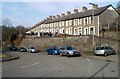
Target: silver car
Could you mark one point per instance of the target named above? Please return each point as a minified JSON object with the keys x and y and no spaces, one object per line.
{"x":104,"y":50}
{"x":69,"y":51}
{"x":32,"y":50}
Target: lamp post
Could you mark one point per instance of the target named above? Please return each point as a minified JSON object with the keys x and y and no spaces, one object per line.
{"x":93,"y":24}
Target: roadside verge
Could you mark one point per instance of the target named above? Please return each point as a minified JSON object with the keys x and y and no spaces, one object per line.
{"x":8,"y":57}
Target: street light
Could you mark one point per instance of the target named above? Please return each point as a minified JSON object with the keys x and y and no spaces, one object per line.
{"x":93,"y":23}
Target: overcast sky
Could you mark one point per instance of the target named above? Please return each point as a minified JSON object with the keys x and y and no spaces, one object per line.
{"x":29,"y":13}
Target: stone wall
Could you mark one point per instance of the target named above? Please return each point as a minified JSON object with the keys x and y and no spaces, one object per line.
{"x":82,"y":43}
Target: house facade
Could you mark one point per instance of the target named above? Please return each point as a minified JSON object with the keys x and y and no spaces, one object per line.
{"x":86,"y":22}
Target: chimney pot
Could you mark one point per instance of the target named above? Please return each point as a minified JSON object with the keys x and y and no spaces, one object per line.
{"x":68,"y":12}
{"x":84,"y":8}
{"x":58,"y":16}
{"x":75,"y":11}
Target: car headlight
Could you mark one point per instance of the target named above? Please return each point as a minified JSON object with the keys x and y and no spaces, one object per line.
{"x":55,"y":51}
{"x":70,"y":52}
{"x":33,"y":50}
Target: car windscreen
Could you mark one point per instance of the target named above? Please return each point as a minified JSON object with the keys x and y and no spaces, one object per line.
{"x":22,"y":48}
{"x":32,"y":47}
{"x":99,"y":48}
{"x":54,"y":48}
{"x":70,"y":48}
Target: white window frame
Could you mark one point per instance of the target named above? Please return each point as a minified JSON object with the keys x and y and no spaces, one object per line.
{"x":93,"y":29}
{"x":70,"y":22}
{"x":80,"y":21}
{"x":67,"y":23}
{"x":90,"y":20}
{"x":60,"y":23}
{"x":80,"y":30}
{"x":75,"y":22}
{"x":85,"y":20}
{"x":63,"y":23}
{"x":85,"y":31}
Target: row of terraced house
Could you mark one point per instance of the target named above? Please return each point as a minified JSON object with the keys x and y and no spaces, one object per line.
{"x":84,"y":22}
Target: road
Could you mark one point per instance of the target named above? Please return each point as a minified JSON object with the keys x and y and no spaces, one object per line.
{"x":42,"y":65}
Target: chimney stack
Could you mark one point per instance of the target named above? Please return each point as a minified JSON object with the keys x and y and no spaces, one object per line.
{"x":84,"y":8}
{"x":44,"y":20}
{"x":58,"y":16}
{"x":53,"y":17}
{"x":68,"y":12}
{"x":95,"y":6}
{"x":50,"y":17}
{"x":62,"y":14}
{"x":75,"y":11}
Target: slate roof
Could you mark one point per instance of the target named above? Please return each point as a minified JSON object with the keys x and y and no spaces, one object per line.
{"x":79,"y":15}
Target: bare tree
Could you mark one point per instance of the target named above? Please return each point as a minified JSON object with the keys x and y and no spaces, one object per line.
{"x":7,"y":22}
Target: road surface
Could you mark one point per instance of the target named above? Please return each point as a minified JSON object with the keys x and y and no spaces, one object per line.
{"x":43,"y":65}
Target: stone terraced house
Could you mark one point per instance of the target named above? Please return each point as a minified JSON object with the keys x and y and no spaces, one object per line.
{"x":79,"y":23}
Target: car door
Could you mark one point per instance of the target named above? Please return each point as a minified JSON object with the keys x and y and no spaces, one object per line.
{"x":28,"y":49}
{"x":51,"y":50}
{"x":109,"y":51}
{"x":62,"y":50}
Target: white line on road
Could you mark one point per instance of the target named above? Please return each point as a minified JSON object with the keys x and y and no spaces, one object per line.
{"x":90,"y":65}
{"x":30,"y":65}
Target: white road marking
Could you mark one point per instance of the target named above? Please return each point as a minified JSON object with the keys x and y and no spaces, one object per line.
{"x":90,"y":65}
{"x":30,"y":65}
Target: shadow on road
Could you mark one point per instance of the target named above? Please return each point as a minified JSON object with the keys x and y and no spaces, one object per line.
{"x":92,"y":77}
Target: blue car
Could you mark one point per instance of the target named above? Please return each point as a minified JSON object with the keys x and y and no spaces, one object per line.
{"x":53,"y":51}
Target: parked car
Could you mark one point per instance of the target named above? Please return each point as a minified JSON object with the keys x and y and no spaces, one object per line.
{"x":12,"y":48}
{"x":69,"y":51}
{"x":53,"y":50}
{"x":32,"y":50}
{"x":104,"y":50}
{"x":22,"y":49}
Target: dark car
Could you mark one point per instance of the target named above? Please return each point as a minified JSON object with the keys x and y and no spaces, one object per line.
{"x":32,"y":50}
{"x":69,"y":51}
{"x":12,"y":48}
{"x":53,"y":51}
{"x":22,"y":49}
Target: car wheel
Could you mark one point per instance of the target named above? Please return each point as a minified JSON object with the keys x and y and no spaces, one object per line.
{"x":105,"y":54}
{"x":96,"y":54}
{"x":61,"y":54}
{"x":114,"y":53}
{"x":20,"y":51}
{"x":53,"y":53}
{"x":31,"y":52}
{"x":68,"y":55}
{"x":47,"y":53}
